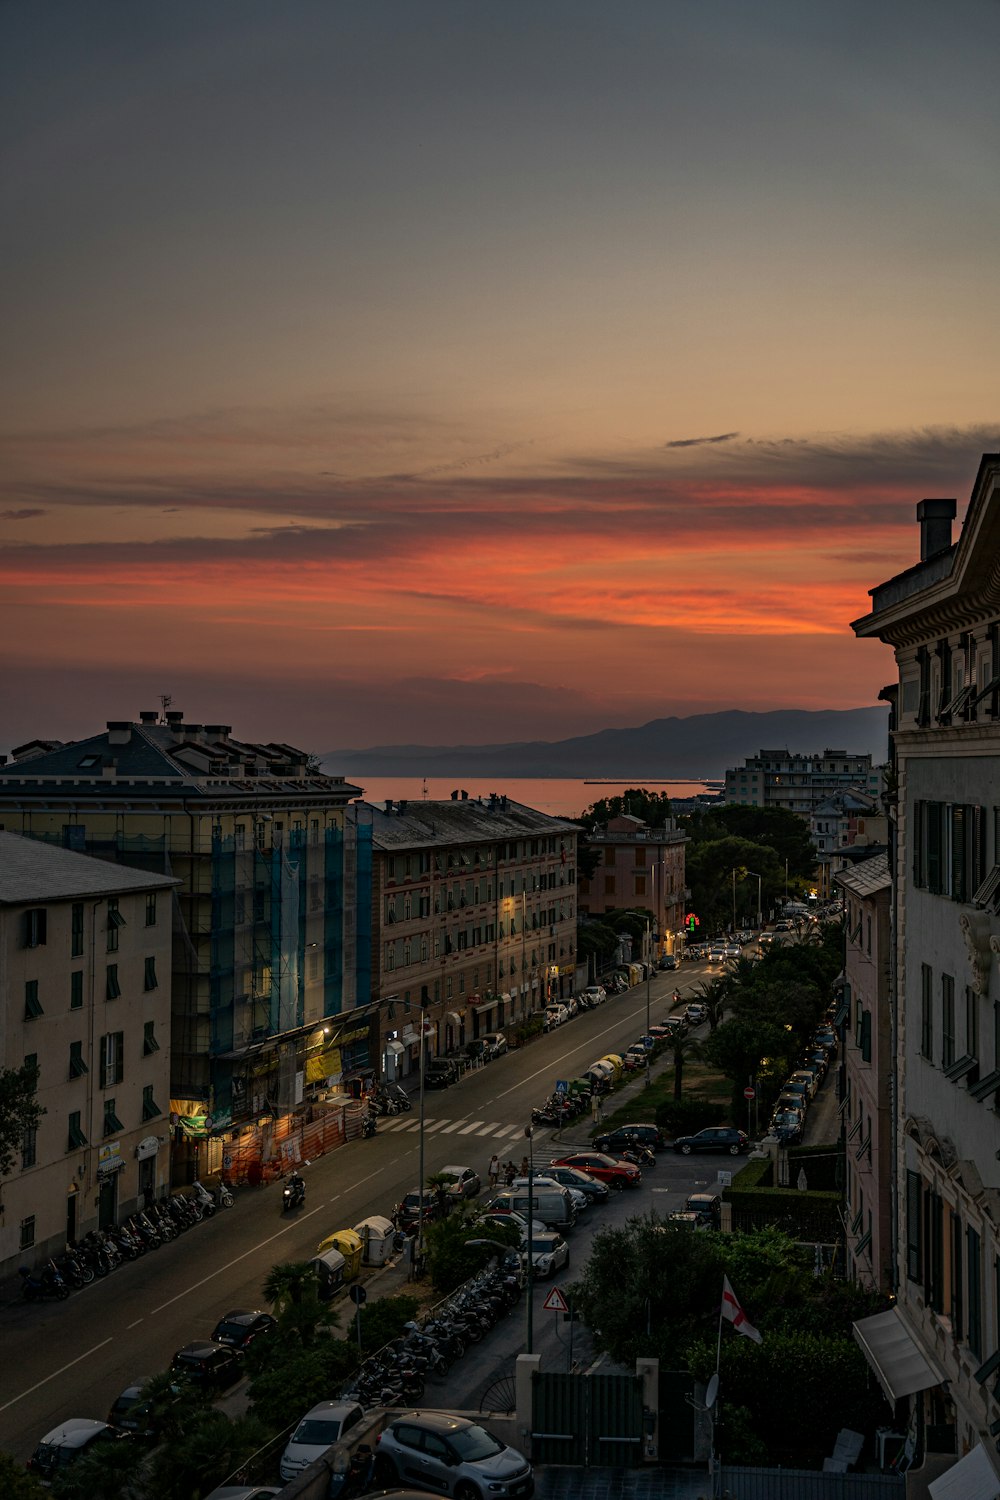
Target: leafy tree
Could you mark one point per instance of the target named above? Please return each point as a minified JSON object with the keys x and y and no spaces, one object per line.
{"x":652,"y":807}
{"x":385,"y":1319}
{"x":597,"y":940}
{"x":683,"y":1049}
{"x":738,"y":1045}
{"x":19,"y":1111}
{"x":450,"y":1259}
{"x":208,"y":1451}
{"x":16,"y":1483}
{"x":110,"y":1471}
{"x":296,"y":1379}
{"x":709,"y":870}
{"x":292,"y":1288}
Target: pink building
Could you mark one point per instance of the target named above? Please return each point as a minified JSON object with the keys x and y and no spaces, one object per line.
{"x":641,"y":867}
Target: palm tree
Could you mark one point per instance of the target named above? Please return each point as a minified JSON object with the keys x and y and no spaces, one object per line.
{"x":292,"y":1288}
{"x":683,"y":1049}
{"x":712,"y":994}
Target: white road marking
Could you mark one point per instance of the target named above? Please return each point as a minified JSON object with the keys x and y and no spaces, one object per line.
{"x":453,"y":1126}
{"x":584,"y":1047}
{"x":61,"y":1371}
{"x":135,"y":1324}
{"x":436,"y":1125}
{"x":468,"y":1129}
{"x":506,"y":1130}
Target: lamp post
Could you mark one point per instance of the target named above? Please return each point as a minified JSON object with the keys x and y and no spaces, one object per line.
{"x":531,"y":1257}
{"x":423,"y":1055}
{"x":649,"y":981}
{"x":759,"y":913}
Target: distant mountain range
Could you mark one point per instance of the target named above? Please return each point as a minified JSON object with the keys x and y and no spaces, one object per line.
{"x":703,"y":745}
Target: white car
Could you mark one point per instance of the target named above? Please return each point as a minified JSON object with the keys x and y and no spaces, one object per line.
{"x":555,"y":1015}
{"x":549,"y":1253}
{"x":695,"y":1013}
{"x":596,"y":993}
{"x":321,"y":1427}
{"x":497,"y":1043}
{"x":463,"y":1182}
{"x":581,"y":1202}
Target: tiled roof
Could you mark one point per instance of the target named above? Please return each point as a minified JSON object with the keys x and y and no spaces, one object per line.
{"x":867,"y":878}
{"x":33,"y":871}
{"x":473,"y":821}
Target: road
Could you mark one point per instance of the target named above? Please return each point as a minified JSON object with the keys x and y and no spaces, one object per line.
{"x":72,"y":1359}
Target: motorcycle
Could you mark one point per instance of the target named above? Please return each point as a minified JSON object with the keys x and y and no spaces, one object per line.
{"x":369,"y":1127}
{"x":203,"y":1199}
{"x":293,"y":1194}
{"x":46,"y":1286}
{"x":224,"y":1194}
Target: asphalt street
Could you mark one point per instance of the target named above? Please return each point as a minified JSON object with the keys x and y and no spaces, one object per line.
{"x":72,"y":1359}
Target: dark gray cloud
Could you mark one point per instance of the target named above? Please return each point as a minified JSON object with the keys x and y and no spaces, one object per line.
{"x":723,"y":437}
{"x":28,"y":513}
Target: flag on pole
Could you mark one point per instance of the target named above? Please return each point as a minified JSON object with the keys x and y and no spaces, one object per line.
{"x":733,"y":1312}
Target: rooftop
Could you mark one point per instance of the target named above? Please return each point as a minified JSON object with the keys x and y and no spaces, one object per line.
{"x":467,"y":820}
{"x":867,"y":878}
{"x":31,"y":871}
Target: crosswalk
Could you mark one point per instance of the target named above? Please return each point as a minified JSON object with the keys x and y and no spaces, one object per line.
{"x":546,"y":1148}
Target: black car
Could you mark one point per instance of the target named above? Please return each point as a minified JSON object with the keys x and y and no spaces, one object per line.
{"x":786,"y":1124}
{"x":625,"y":1136}
{"x":239,"y":1329}
{"x":440,"y":1072}
{"x":409,"y":1209}
{"x":714,"y":1138}
{"x":132,"y":1413}
{"x":210,"y":1366}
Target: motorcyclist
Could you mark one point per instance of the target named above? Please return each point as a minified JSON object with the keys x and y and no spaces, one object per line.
{"x":298,"y":1188}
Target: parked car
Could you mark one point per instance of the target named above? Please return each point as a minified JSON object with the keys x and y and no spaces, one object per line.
{"x":582,"y":1182}
{"x":409,"y":1214}
{"x":549,"y":1253}
{"x":511,"y":1216}
{"x":210,"y":1366}
{"x":553,"y":1205}
{"x":595,"y":992}
{"x":609,"y":1169}
{"x":439,"y":1072}
{"x":624,"y":1136}
{"x":497,"y":1043}
{"x":581,"y":1201}
{"x":321,"y":1427}
{"x":786,"y":1124}
{"x":478,"y":1050}
{"x":668,"y":961}
{"x":133,"y":1414}
{"x":789,"y":1099}
{"x":436,"y":1451}
{"x":696,"y":1013}
{"x":799,"y":1086}
{"x":244,"y":1492}
{"x":464,"y":1182}
{"x":714,"y":1138}
{"x":810,"y":1077}
{"x":555,"y":1015}
{"x":239,"y":1329}
{"x":67,"y":1443}
{"x":708,"y":1207}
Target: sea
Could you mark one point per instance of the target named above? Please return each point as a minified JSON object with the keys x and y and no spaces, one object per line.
{"x":559,"y":798}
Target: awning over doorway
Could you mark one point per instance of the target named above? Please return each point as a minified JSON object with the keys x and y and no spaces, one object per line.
{"x":897,"y":1362}
{"x":453,"y":1019}
{"x":394,"y":1048}
{"x":409,"y":1037}
{"x":972,"y":1478}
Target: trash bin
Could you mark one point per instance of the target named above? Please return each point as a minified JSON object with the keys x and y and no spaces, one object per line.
{"x":329,"y":1268}
{"x":350,"y":1245}
{"x":376,"y":1235}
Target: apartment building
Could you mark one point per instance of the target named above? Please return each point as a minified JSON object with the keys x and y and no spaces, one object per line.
{"x":866,"y":1061}
{"x":473,"y":919}
{"x":85,"y":954}
{"x":640,"y":867}
{"x":779,"y":778}
{"x":271,"y":962}
{"x":839,"y":825}
{"x":938,"y":1349}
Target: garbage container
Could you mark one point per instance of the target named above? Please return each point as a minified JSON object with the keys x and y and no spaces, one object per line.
{"x":376,"y":1235}
{"x":349,"y":1243}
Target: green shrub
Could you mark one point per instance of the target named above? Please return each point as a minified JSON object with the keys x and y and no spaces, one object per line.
{"x":385,"y":1320}
{"x":689,"y":1113}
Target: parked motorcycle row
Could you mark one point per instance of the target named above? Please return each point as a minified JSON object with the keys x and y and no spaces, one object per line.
{"x":101,"y":1251}
{"x":396,"y":1374}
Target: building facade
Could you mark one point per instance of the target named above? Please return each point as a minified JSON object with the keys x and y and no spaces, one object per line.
{"x":473,"y":919}
{"x":640,"y":867}
{"x":271,"y":965}
{"x":941,"y":1344}
{"x":867,"y":1072}
{"x":85,"y":954}
{"x":843,"y":822}
{"x":778,"y":778}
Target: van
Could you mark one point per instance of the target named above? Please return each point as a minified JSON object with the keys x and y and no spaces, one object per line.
{"x":552,"y":1206}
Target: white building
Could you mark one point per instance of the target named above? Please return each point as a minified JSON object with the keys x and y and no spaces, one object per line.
{"x":938,"y":1350}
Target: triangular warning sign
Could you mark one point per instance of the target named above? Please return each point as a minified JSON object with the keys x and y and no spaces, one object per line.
{"x":555,"y":1301}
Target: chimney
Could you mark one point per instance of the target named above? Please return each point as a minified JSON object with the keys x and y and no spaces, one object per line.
{"x":388,"y":804}
{"x":174,"y":717}
{"x":148,"y":716}
{"x":119,"y":731}
{"x":219,"y":731}
{"x":465,"y":795}
{"x":454,"y":796}
{"x":935,"y":517}
{"x":193,"y":731}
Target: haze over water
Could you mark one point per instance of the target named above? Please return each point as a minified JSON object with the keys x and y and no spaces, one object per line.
{"x":561,"y":798}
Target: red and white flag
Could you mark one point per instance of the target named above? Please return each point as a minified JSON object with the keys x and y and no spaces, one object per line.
{"x":733,"y":1312}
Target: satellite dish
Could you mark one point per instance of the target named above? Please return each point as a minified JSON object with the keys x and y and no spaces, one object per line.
{"x":711,"y":1392}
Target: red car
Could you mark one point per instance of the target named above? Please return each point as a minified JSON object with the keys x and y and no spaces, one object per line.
{"x":610,"y":1169}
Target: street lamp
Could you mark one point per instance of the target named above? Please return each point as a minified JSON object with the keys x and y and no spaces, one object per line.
{"x":531,"y":1257}
{"x":423,"y":1055}
{"x":756,"y":877}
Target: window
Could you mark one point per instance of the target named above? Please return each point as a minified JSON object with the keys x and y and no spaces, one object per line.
{"x":926,"y":1013}
{"x":150,"y":908}
{"x":971,"y":1022}
{"x":77,"y":1065}
{"x":149,"y":1042}
{"x":866,"y":1040}
{"x":150,"y":980}
{"x":35,"y":924}
{"x":32,"y":1004}
{"x":112,"y":1124}
{"x":974,"y":1336}
{"x":76,"y":990}
{"x":933,"y":1248}
{"x":947,"y":1020}
{"x":29,"y":1146}
{"x":112,"y":1058}
{"x":76,"y":931}
{"x":27,"y":1232}
{"x":112,"y":989}
{"x":75,"y":1134}
{"x":115,"y":920}
{"x":150,"y":1109}
{"x":956,"y":1276}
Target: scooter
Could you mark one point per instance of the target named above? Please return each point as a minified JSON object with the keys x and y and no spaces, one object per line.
{"x":49,"y":1285}
{"x":369,"y":1127}
{"x":203,"y":1199}
{"x":293,"y":1194}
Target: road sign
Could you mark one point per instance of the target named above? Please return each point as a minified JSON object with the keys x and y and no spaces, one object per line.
{"x":357,"y":1293}
{"x":555,"y":1302}
{"x":561,"y":1086}
{"x":749,"y":1093}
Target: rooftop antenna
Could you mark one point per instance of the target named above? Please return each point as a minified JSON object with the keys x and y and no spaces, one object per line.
{"x":165,"y":702}
{"x":425,"y":789}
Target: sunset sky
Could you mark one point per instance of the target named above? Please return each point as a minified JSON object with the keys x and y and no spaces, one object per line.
{"x":445,"y":370}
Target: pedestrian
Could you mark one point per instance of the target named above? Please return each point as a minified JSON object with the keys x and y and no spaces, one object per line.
{"x":677,"y":997}
{"x":524,"y":1166}
{"x":493,"y":1171}
{"x":509,"y":1173}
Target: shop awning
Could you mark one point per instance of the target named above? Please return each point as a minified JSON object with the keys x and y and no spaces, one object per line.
{"x":409,"y":1037}
{"x":898,"y":1364}
{"x":972,"y":1478}
{"x":453,"y":1018}
{"x":394,"y":1048}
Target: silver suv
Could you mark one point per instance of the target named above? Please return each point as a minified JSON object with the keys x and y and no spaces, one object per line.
{"x":435,"y":1451}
